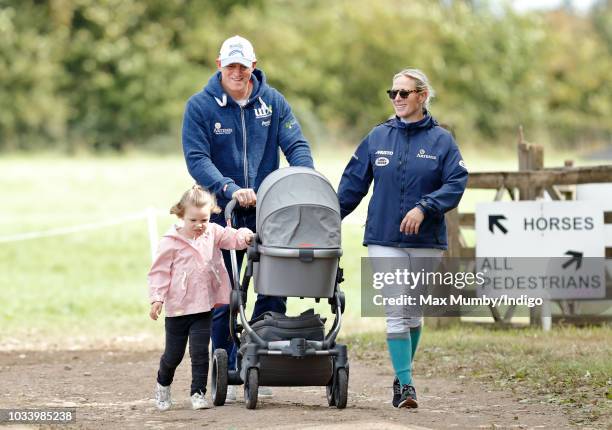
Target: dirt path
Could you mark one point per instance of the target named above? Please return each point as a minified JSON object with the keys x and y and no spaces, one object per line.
{"x":113,"y":389}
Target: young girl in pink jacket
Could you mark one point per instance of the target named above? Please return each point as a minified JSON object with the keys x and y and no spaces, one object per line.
{"x":189,"y":278}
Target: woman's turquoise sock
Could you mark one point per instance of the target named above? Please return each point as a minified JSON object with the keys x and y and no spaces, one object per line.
{"x":415,"y":336}
{"x":400,"y":350}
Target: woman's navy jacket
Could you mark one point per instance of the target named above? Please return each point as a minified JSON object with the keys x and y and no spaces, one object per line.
{"x":415,"y":164}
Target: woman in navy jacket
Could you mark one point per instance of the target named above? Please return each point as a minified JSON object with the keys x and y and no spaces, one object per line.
{"x":418,"y":176}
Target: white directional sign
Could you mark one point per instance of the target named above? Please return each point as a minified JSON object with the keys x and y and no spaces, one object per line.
{"x":563,"y":242}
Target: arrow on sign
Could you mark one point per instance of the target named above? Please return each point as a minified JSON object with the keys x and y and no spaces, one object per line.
{"x":576,"y":257}
{"x":494,"y":221}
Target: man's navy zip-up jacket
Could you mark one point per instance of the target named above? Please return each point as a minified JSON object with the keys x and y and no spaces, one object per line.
{"x":225,"y":144}
{"x":412,"y":164}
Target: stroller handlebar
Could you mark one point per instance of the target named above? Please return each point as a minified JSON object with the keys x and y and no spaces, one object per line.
{"x":229,"y":209}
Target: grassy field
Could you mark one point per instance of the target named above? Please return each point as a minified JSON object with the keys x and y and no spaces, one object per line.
{"x":93,"y":282}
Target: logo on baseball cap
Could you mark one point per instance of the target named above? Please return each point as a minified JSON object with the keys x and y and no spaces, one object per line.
{"x":237,"y":49}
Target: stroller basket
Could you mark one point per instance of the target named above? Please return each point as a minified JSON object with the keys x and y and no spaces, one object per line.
{"x":273,"y":326}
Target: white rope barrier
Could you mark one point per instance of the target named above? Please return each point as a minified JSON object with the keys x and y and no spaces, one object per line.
{"x":153,"y":235}
{"x":149,"y":214}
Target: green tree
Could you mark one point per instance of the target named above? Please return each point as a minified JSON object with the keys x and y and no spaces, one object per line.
{"x":32,"y":113}
{"x":116,"y":73}
{"x":125,"y":71}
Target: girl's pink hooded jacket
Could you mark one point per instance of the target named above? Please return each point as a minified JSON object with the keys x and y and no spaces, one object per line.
{"x":189,"y":277}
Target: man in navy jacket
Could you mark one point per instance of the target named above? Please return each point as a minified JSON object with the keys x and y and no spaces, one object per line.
{"x":232,"y":131}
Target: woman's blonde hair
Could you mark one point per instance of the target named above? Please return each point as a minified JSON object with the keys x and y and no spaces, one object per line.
{"x":198,"y":197}
{"x":421,"y":81}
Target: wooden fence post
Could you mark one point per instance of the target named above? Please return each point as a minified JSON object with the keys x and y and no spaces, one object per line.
{"x":454,"y":251}
{"x":530,"y":157}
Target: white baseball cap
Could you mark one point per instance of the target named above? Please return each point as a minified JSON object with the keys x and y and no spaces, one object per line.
{"x":237,"y":49}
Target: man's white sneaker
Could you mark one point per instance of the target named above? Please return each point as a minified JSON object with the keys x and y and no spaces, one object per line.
{"x":265,"y":392}
{"x":162,"y":397}
{"x":199,"y":402}
{"x":231,"y":394}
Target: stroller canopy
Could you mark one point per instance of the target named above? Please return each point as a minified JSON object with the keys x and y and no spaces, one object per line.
{"x":298,"y":208}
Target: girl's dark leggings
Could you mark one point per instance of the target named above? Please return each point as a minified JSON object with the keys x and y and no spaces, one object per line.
{"x":196,"y":329}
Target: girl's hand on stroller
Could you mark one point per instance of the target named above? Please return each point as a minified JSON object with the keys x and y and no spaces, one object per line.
{"x":156,"y":308}
{"x":245,"y":197}
{"x":249,"y":239}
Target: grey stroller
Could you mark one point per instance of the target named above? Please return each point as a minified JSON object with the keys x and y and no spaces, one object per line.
{"x":295,"y":254}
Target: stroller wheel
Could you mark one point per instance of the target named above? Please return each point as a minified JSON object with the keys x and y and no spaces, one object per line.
{"x":219,"y":377}
{"x":329,"y":391}
{"x":251,"y":388}
{"x":341,"y":388}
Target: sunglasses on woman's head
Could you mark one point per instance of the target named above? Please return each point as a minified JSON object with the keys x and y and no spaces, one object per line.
{"x":403,"y":93}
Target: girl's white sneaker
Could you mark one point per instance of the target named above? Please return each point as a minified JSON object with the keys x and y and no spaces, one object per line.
{"x":163,"y":399}
{"x":199,"y":402}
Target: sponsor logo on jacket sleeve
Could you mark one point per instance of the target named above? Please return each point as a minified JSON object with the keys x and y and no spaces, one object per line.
{"x":290,"y":123}
{"x":462,"y":164}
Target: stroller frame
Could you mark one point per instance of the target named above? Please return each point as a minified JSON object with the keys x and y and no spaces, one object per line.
{"x":295,"y":362}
